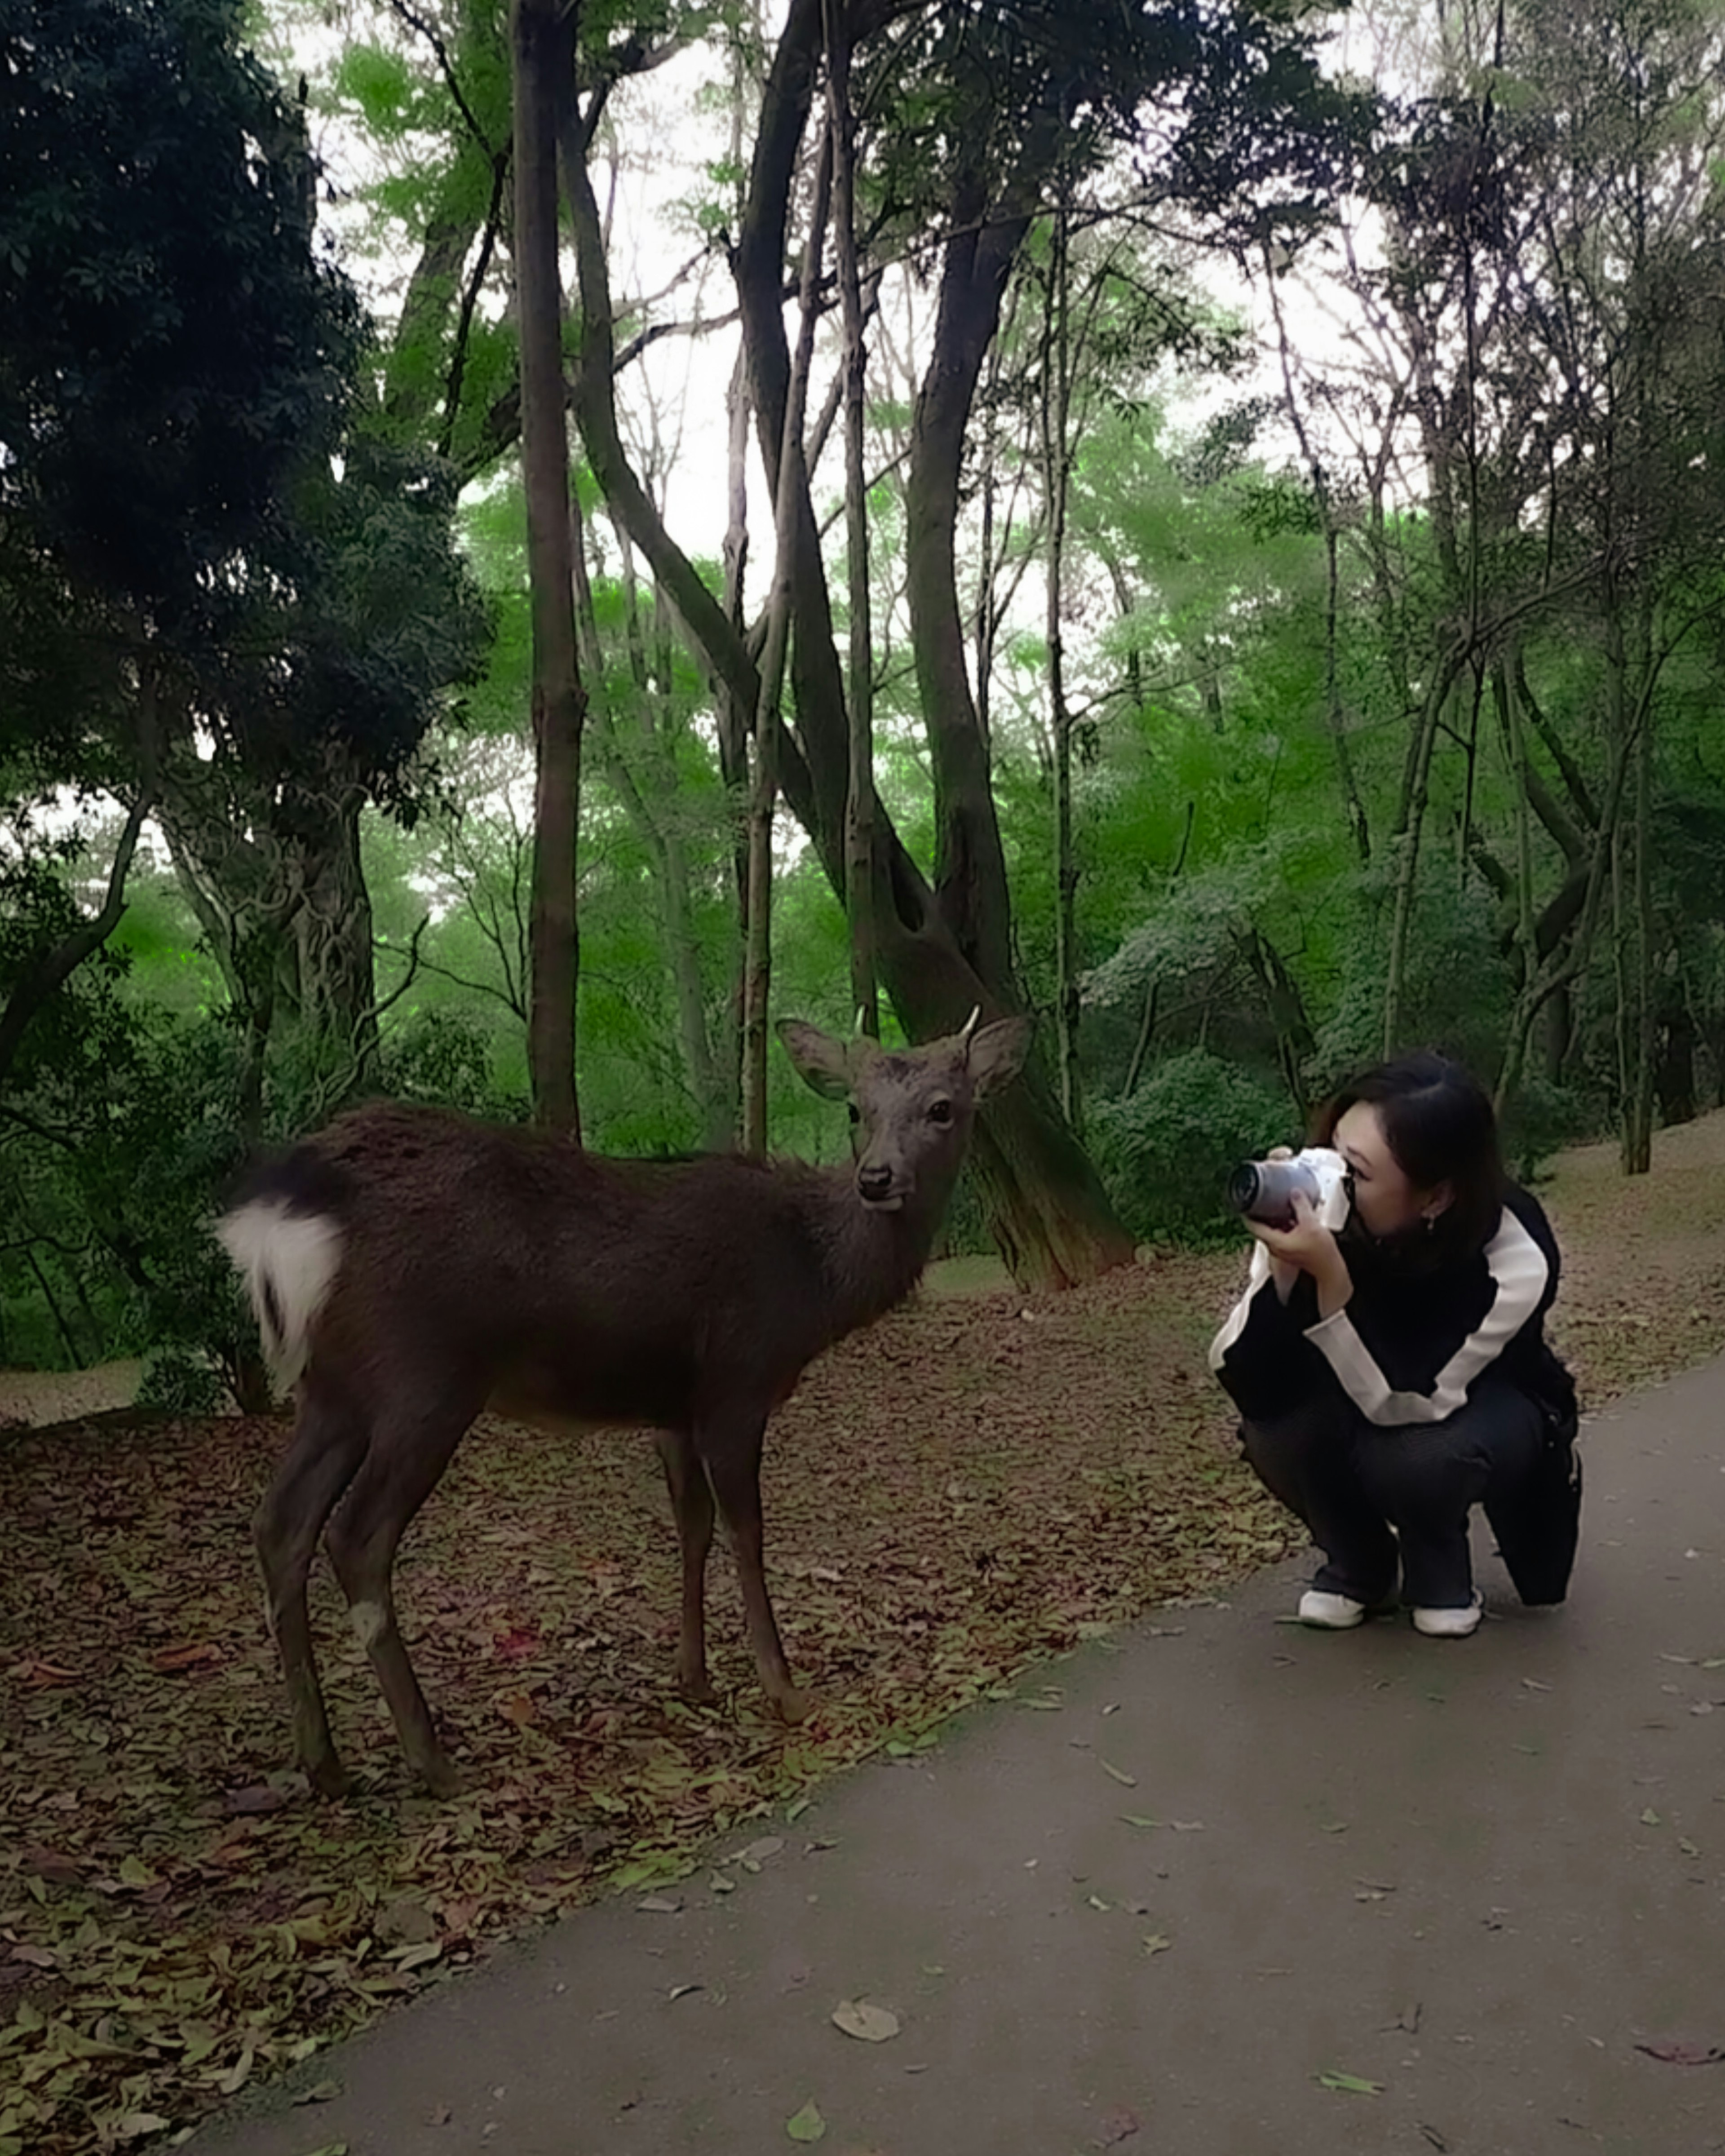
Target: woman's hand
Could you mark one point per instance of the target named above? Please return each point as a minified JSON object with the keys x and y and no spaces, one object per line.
{"x":1306,"y":1247}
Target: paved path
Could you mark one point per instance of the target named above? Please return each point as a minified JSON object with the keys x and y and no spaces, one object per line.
{"x":1478,"y":1873}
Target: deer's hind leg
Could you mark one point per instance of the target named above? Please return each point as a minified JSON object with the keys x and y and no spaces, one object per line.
{"x":329,"y":1443}
{"x":691,"y":1497}
{"x":408,"y":1453}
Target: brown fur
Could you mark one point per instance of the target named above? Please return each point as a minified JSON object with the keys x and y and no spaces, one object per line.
{"x":480,"y":1266}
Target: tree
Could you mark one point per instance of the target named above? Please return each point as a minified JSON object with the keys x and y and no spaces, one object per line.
{"x":544,"y":44}
{"x":968,"y":174}
{"x":236,"y":606}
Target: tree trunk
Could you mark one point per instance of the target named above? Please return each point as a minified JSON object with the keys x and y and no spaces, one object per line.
{"x":791,"y":488}
{"x":543,"y":50}
{"x":332,"y":935}
{"x":1055,"y":414}
{"x":1638,"y":1149}
{"x":733,"y":717}
{"x":859,"y":789}
{"x":970,"y":863}
{"x":1046,"y":1205}
{"x":1555,"y":978}
{"x":74,"y":1361}
{"x":1410,"y":826}
{"x":1334,"y":715}
{"x":757,"y":943}
{"x":652,"y":812}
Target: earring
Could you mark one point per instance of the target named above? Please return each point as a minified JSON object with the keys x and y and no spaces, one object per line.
{"x":1430,"y":1222}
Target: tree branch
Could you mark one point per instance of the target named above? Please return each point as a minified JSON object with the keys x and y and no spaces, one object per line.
{"x":469,"y":300}
{"x":50,"y":971}
{"x":417,"y":22}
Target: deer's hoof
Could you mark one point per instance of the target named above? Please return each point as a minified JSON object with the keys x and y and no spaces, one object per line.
{"x":792,"y":1706}
{"x":698,"y":1691}
{"x":328,"y":1776}
{"x":440,"y":1779}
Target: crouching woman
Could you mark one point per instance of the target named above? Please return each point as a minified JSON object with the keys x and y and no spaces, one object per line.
{"x":1395,"y":1373}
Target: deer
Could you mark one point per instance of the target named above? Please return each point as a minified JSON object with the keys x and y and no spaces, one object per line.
{"x":410,"y":1268}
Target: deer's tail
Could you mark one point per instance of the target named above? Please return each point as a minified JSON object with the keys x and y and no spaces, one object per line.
{"x":288,"y":1252}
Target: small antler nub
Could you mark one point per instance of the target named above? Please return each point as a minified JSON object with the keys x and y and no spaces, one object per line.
{"x":969,"y":1025}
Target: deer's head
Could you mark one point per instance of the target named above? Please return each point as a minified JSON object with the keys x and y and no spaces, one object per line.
{"x":911,"y":1108}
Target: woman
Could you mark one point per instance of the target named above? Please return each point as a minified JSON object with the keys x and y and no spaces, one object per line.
{"x":1394,"y":1374}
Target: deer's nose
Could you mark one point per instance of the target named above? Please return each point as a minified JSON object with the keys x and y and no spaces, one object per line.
{"x":874,"y":1181}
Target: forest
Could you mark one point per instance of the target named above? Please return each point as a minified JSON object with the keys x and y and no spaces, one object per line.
{"x":533,"y":545}
{"x":541,"y":540}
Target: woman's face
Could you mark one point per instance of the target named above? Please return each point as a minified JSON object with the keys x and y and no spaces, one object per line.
{"x":1385,"y":1201}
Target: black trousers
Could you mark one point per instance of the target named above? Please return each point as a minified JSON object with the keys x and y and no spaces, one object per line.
{"x":1351,"y":1481}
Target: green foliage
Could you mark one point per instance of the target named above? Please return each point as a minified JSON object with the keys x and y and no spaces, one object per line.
{"x":1460,"y":989}
{"x":370,"y":618}
{"x":382,"y":86}
{"x":1165,"y":1151}
{"x":177,"y":1382}
{"x":444,"y":1057}
{"x":171,"y":341}
{"x":1542,"y":1119}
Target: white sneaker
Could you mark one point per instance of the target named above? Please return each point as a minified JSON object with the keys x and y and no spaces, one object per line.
{"x":1331,"y":1613}
{"x":1448,"y":1624}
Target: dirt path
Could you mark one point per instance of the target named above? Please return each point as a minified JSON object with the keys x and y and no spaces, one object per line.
{"x":1232,"y":1889}
{"x":41,"y":1397}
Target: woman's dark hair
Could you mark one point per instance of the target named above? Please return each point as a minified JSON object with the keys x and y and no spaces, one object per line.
{"x":1440,"y":1125}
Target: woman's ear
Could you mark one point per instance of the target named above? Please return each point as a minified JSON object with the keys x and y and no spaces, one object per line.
{"x":1436,"y":1202}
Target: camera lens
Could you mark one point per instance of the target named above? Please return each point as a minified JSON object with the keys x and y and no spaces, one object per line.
{"x":1243,"y":1186}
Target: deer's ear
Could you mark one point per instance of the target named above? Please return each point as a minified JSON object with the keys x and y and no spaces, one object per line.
{"x":821,"y":1061}
{"x":997,"y":1054}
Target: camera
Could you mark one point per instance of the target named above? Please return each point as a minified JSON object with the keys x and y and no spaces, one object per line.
{"x":1265,"y":1189}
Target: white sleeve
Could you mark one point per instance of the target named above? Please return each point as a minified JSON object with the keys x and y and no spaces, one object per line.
{"x":1517,"y":1267}
{"x":1235,"y":1324}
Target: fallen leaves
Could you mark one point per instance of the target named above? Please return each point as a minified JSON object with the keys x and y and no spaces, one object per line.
{"x":37,"y":1676}
{"x":176,"y":1661}
{"x":869,"y":2024}
{"x":1349,"y":2084}
{"x":806,"y":2124}
{"x":1675,"y":2052}
{"x":155,"y":1849}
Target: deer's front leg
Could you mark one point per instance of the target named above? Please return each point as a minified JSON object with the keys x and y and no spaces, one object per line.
{"x":732,"y":1453}
{"x":692,"y":1504}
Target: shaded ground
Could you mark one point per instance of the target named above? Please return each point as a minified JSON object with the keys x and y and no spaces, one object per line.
{"x":977,"y":1484}
{"x":51,"y":1396}
{"x":1213,"y":1887}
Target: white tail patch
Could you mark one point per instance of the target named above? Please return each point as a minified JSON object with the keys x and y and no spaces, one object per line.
{"x":289,"y":1262}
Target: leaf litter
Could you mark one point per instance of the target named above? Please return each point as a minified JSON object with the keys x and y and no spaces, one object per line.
{"x":177,"y":1918}
{"x":869,"y":2024}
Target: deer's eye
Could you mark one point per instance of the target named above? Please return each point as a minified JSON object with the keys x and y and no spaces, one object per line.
{"x":854,"y":1112}
{"x":940,"y":1111}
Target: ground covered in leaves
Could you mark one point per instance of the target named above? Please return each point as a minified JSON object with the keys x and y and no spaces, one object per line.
{"x":979,"y":1482}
